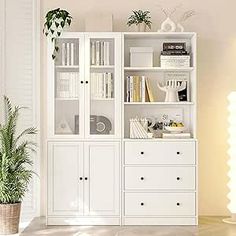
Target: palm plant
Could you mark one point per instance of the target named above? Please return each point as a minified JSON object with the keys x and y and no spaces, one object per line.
{"x":139,"y":17}
{"x":15,"y":157}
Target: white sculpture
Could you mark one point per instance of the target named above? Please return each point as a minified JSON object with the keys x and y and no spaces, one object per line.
{"x":172,"y":87}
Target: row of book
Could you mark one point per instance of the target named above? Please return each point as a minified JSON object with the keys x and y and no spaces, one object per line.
{"x":67,"y":85}
{"x":100,"y":53}
{"x":138,"y":89}
{"x":68,"y":54}
{"x":101,"y":85}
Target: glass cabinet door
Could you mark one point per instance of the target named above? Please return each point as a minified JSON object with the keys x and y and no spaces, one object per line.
{"x":103,"y":98}
{"x":68,"y":90}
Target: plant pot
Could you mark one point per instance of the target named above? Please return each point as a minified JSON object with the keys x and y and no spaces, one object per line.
{"x":141,"y":27}
{"x":9,"y":218}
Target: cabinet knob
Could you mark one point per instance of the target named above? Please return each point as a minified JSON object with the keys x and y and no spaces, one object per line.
{"x":178,"y":153}
{"x":86,"y":178}
{"x":86,"y":82}
{"x":141,"y":153}
{"x":81,"y":82}
{"x":178,"y":178}
{"x":178,"y":204}
{"x":80,"y":178}
{"x":142,"y":178}
{"x":142,"y":204}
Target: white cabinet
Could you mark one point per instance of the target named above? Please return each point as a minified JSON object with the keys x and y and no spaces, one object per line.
{"x":78,"y":185}
{"x":65,"y":189}
{"x":102,"y":170}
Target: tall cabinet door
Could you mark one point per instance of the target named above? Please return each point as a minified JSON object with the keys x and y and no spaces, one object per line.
{"x":103,"y":82}
{"x":65,"y":186}
{"x":66,"y":87}
{"x":102,"y":174}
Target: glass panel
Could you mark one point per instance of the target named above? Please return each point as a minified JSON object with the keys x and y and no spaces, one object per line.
{"x":102,"y":87}
{"x":67,"y":92}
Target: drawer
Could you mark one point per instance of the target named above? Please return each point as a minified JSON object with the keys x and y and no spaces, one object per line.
{"x":160,"y":204}
{"x":144,"y":178}
{"x":159,"y":152}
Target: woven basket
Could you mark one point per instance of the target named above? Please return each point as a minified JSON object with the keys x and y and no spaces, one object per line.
{"x":9,"y":218}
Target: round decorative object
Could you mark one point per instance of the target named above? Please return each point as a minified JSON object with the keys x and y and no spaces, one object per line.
{"x":101,"y":127}
{"x":168,"y":26}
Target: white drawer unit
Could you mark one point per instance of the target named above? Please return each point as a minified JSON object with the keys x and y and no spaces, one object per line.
{"x":162,"y":178}
{"x":160,"y":204}
{"x":177,"y":153}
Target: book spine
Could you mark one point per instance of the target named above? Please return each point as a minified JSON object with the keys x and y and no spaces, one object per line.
{"x":63,"y":52}
{"x":109,"y":82}
{"x":93,"y":53}
{"x":97,"y":53}
{"x":67,"y":54}
{"x":107,"y":53}
{"x":143,"y":89}
{"x":72,"y":53}
{"x":102,"y":53}
{"x":131,"y":89}
{"x":104,"y":85}
{"x":128,"y":89}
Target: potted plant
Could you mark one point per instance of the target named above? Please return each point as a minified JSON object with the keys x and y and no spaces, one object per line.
{"x":15,"y":168}
{"x":140,"y":19}
{"x":55,"y":22}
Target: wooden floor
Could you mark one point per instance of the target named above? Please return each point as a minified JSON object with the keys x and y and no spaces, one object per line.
{"x":208,"y":226}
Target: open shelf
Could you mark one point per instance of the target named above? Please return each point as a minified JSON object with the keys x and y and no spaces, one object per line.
{"x":153,"y":69}
{"x":67,"y":67}
{"x":159,"y":103}
{"x":102,"y":67}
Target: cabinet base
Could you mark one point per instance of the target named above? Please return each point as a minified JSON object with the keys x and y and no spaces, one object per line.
{"x":160,"y":221}
{"x":82,"y":221}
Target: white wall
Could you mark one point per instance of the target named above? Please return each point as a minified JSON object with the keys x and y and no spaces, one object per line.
{"x":215,"y":25}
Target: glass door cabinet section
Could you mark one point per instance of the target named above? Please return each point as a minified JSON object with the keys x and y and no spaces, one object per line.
{"x":103,"y":79}
{"x":85,"y":86}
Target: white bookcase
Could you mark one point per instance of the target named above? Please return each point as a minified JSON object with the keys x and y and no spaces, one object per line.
{"x":97,"y":174}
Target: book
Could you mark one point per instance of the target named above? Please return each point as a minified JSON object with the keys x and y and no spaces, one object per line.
{"x":174,"y":46}
{"x":72,"y":53}
{"x":176,"y":136}
{"x":102,"y":54}
{"x":93,"y":53}
{"x":143,"y":89}
{"x":106,"y":53}
{"x":174,"y":52}
{"x":97,"y":53}
{"x":63,"y":54}
{"x":149,"y":90}
{"x":131,"y":89}
{"x":67,"y":54}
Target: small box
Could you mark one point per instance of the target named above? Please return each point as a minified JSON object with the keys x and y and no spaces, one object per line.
{"x":141,"y":57}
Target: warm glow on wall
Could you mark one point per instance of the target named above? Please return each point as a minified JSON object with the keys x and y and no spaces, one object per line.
{"x":232,"y":157}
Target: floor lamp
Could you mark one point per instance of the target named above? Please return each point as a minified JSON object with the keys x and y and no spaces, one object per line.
{"x":232,"y":158}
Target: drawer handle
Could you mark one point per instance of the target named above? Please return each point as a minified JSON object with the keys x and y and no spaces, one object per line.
{"x":81,"y":82}
{"x":86,"y":178}
{"x":86,"y":82}
{"x":80,"y":178}
{"x":178,"y":178}
{"x":141,"y":153}
{"x":178,"y":204}
{"x":142,"y":204}
{"x":178,"y":153}
{"x":142,"y":178}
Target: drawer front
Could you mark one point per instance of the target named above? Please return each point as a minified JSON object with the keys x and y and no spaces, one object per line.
{"x":166,"y":178}
{"x":160,"y":153}
{"x":160,"y":204}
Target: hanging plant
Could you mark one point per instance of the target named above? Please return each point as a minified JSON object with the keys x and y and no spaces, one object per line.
{"x":140,"y":17}
{"x":55,"y":21}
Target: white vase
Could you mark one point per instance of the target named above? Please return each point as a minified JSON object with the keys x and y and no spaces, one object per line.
{"x":168,"y":25}
{"x":141,"y":27}
{"x":180,"y":27}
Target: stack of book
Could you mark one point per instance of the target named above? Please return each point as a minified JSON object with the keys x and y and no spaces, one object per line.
{"x":67,"y":85}
{"x":174,"y":55}
{"x":176,"y":135}
{"x":138,"y":89}
{"x":101,"y":86}
{"x":100,"y":53}
{"x":67,"y":54}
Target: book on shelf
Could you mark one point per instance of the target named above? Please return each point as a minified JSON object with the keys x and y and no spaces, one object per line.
{"x":176,"y":135}
{"x":138,"y":89}
{"x":100,"y":53}
{"x":67,"y":85}
{"x":68,"y":54}
{"x":101,"y":86}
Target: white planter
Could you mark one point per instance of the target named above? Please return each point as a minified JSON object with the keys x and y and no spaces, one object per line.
{"x":141,"y":27}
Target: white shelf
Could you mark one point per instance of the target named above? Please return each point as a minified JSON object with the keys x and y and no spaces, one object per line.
{"x":67,"y":67}
{"x":102,"y":67}
{"x":67,"y":99}
{"x":159,"y":139}
{"x":159,"y":35}
{"x":157,"y":69}
{"x":159,"y":103}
